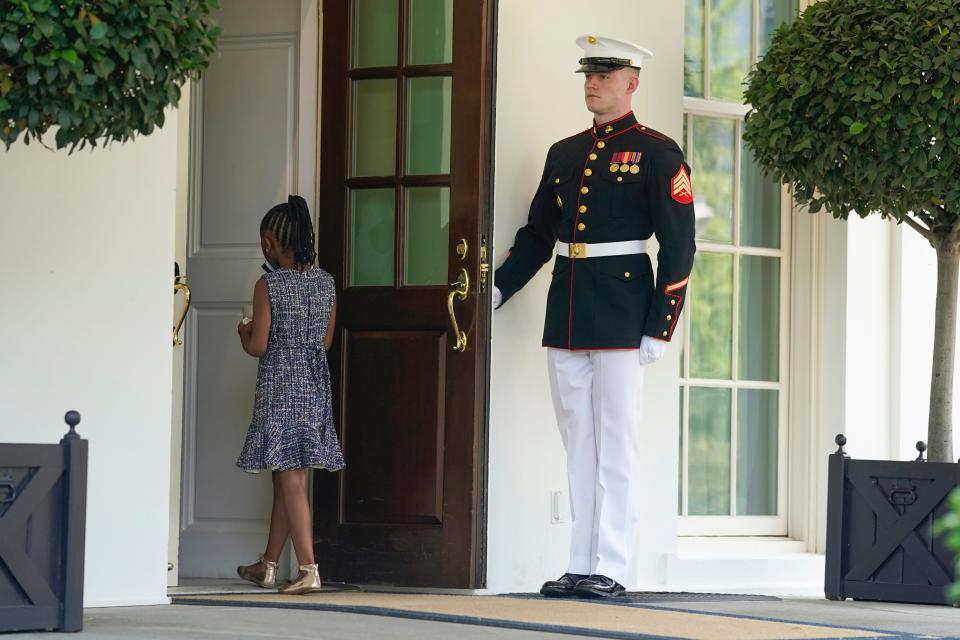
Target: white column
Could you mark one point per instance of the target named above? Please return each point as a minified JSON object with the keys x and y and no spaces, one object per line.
{"x":86,"y":317}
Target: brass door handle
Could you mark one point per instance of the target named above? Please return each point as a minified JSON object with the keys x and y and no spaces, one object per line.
{"x":180,"y":284}
{"x":460,"y":289}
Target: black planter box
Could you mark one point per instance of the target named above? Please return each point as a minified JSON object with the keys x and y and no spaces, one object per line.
{"x":43,"y":505}
{"x":880,"y":515}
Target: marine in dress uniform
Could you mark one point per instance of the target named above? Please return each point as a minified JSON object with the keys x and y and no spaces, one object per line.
{"x":603,"y":193}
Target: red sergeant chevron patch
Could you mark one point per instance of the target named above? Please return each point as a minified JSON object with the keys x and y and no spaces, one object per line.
{"x":681,"y":189}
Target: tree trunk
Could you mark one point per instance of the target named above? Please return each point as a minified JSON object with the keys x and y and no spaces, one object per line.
{"x":940,"y":426}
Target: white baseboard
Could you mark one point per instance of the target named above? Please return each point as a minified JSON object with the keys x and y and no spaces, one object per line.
{"x":768,"y":570}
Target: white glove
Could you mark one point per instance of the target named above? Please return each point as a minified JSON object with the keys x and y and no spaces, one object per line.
{"x":497,"y":297}
{"x":651,"y":350}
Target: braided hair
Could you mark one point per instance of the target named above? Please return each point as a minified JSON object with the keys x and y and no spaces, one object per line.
{"x":290,"y":222}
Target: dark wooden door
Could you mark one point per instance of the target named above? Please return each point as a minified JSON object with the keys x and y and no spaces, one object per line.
{"x":403,"y":213}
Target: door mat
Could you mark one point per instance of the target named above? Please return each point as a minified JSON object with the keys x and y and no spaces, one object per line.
{"x":584,"y":618}
{"x":651,"y":597}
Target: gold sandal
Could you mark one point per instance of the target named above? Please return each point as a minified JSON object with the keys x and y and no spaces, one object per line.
{"x":308,"y":581}
{"x":262,"y":573}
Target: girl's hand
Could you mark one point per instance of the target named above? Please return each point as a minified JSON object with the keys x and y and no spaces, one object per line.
{"x":254,"y":335}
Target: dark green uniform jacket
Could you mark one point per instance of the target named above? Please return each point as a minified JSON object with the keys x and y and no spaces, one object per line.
{"x":613,"y":182}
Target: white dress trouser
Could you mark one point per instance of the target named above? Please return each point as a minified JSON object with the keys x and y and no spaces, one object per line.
{"x":597,"y":396}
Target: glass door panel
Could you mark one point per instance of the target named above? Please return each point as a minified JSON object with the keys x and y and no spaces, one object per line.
{"x":711,"y":316}
{"x":760,"y":207}
{"x":372,"y":237}
{"x":428,"y":125}
{"x":774,"y":13}
{"x":427,"y":238}
{"x":693,"y":49}
{"x":759,"y":348}
{"x":714,"y":163}
{"x":731,"y":29}
{"x":709,"y":455}
{"x":431,"y":32}
{"x":375,"y":33}
{"x":758,"y":422}
{"x":374,"y":149}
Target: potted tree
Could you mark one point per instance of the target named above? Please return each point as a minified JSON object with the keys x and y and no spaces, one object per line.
{"x":97,"y":70}
{"x":856,"y":105}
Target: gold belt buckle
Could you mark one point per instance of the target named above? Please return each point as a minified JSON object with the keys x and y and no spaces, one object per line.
{"x":577,"y":250}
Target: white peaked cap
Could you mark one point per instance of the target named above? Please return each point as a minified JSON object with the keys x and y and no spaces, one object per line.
{"x":601,"y":53}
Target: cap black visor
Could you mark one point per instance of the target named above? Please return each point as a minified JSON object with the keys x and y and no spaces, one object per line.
{"x":602,"y":65}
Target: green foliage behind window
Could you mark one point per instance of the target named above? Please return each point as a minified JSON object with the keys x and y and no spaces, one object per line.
{"x":97,"y":69}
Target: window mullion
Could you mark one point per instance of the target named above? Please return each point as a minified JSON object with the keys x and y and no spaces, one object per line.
{"x":400,"y":207}
{"x":786,"y":294}
{"x":737,"y":178}
{"x":685,"y":417}
{"x":735,"y":332}
{"x":706,"y":49}
{"x":734,"y":398}
{"x":735,"y":378}
{"x":735,"y":304}
{"x":685,"y":453}
{"x":737,"y":205}
{"x":755,"y":32}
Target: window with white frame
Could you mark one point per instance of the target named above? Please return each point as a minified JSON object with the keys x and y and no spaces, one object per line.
{"x":734,"y":366}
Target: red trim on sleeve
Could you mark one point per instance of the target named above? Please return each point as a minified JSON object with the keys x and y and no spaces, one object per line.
{"x":676,"y":314}
{"x":676,"y":285}
{"x":669,"y":291}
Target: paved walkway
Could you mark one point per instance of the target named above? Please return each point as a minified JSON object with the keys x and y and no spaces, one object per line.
{"x":908,"y":619}
{"x":206,"y":623}
{"x":215,"y":623}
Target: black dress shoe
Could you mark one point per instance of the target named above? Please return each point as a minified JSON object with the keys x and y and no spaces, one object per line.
{"x":562,"y":586}
{"x":598,"y":586}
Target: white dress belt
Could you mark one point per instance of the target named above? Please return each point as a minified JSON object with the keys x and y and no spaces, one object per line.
{"x":579,"y":250}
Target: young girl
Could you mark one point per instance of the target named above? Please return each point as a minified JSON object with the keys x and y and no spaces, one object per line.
{"x":292,"y":428}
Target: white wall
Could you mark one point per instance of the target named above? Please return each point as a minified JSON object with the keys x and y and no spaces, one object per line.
{"x":86,"y":289}
{"x":889,"y":296}
{"x":916,"y":270}
{"x":540,"y":101}
{"x":869,"y":352}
